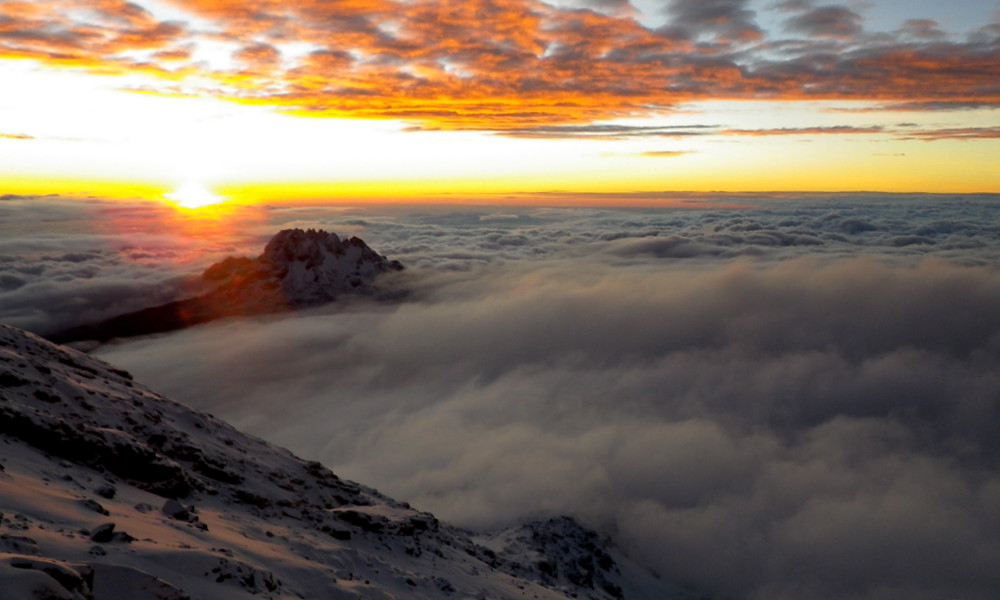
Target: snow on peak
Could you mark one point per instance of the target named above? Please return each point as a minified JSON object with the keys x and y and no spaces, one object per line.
{"x":110,"y":491}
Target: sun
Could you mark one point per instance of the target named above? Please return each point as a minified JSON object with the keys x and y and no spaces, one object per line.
{"x":193,"y":195}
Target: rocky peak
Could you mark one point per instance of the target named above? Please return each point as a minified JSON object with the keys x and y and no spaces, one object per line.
{"x":310,"y":246}
{"x":305,"y":268}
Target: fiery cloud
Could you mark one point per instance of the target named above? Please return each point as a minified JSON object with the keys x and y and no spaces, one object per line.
{"x":502,"y":65}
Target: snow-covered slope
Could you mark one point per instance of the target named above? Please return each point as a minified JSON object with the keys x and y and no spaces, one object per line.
{"x":109,"y":491}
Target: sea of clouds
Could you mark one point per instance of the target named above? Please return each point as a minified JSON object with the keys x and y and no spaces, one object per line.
{"x":770,"y":398}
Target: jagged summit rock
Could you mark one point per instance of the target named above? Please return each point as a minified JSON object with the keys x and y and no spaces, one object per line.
{"x":303,"y":268}
{"x":298,"y":269}
{"x":197,"y":509}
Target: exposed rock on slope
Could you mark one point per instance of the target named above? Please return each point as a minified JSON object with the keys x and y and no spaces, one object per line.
{"x":110,"y":491}
{"x":298,"y":269}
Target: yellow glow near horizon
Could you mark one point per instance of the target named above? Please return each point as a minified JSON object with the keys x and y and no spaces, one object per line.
{"x":107,"y":144}
{"x":79,"y":187}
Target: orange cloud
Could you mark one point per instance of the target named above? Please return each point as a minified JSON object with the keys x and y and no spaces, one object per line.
{"x":499,"y":65}
{"x":97,"y":35}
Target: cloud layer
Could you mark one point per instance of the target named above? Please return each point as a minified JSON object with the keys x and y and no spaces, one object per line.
{"x":772,"y":397}
{"x":505,"y":64}
{"x":66,"y":261}
{"x":69,"y":261}
{"x":779,"y":432}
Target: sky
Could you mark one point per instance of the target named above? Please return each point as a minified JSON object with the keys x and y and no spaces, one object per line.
{"x":196,"y":101}
{"x":768,"y":396}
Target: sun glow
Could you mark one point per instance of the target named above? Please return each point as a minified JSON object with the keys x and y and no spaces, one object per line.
{"x":193,"y":195}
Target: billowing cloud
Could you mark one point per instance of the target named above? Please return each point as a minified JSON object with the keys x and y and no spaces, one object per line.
{"x":500,"y":65}
{"x":922,"y":29}
{"x":97,"y":35}
{"x":729,"y":20}
{"x":827,"y":21}
{"x":760,"y":431}
{"x":885,"y":73}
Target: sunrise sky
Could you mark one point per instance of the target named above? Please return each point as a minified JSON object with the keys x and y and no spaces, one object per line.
{"x":508,"y":100}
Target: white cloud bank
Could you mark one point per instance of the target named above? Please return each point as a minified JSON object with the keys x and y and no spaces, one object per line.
{"x":764,"y":418}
